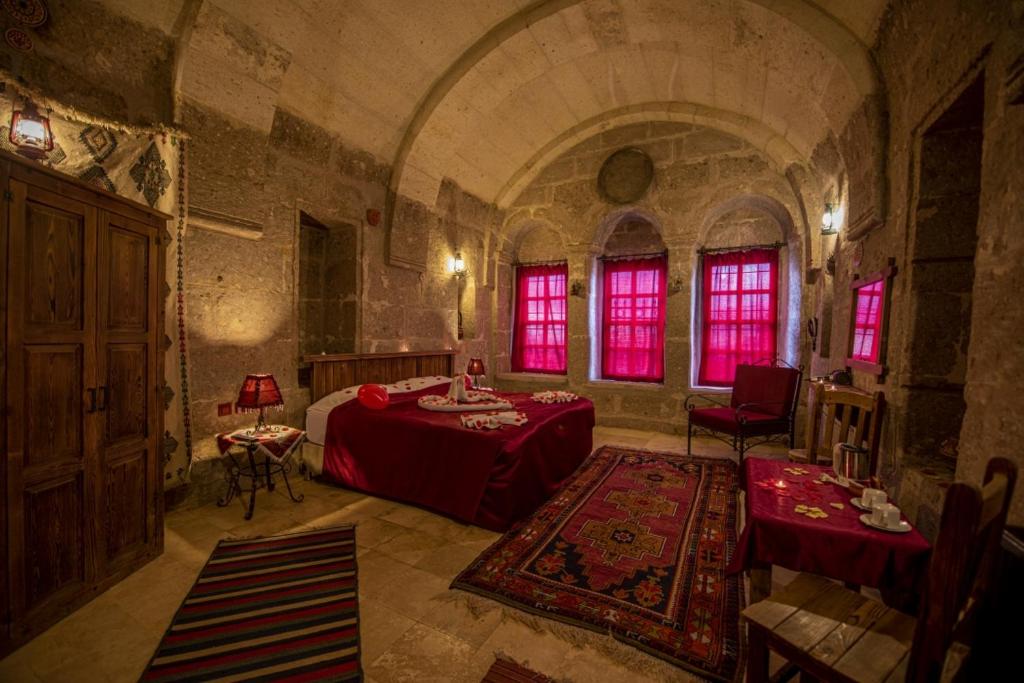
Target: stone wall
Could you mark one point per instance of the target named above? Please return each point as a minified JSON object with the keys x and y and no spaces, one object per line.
{"x":926,"y":66}
{"x":709,"y":189}
{"x":243,"y":296}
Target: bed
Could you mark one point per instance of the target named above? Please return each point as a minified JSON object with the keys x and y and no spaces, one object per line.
{"x":490,"y":478}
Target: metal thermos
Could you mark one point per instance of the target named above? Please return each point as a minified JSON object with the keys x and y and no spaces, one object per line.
{"x":851,"y":461}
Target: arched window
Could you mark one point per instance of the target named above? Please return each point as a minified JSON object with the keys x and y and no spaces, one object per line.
{"x":540,"y":311}
{"x":739,"y":311}
{"x":633,"y":278}
{"x":539,"y":333}
{"x":742,"y":297}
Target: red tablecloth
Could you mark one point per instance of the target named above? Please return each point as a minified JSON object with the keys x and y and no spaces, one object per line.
{"x":491,"y":478}
{"x":839,"y":546}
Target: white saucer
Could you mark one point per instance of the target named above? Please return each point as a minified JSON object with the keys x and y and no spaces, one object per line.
{"x":902,"y":528}
{"x":856,"y":502}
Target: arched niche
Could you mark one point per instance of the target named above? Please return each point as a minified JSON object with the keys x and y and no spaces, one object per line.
{"x":750,"y":221}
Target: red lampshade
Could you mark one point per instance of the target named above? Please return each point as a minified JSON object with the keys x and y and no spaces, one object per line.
{"x":476,"y":367}
{"x":259,"y":391}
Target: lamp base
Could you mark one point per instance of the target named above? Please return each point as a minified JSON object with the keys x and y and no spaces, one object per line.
{"x":261,"y":424}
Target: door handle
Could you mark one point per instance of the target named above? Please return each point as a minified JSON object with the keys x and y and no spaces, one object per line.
{"x":92,"y":400}
{"x":103,"y":399}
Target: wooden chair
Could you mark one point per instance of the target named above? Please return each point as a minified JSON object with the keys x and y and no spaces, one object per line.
{"x":859,"y":417}
{"x":835,"y":634}
{"x":763,"y":404}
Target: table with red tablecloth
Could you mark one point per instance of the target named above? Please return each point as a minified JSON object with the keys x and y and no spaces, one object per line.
{"x":275,"y":444}
{"x":838,"y":546}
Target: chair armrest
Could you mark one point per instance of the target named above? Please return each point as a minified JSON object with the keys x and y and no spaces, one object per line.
{"x":689,"y":404}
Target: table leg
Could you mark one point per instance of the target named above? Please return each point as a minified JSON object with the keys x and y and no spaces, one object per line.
{"x":284,"y":473}
{"x":760,"y":581}
{"x":231,"y":476}
{"x":757,"y":655}
{"x":255,"y":478}
{"x":270,"y":478}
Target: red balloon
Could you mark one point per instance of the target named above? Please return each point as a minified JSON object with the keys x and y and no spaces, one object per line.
{"x":373,"y":396}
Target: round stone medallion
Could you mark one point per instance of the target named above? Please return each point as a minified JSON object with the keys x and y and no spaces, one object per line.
{"x":625,"y":175}
{"x":18,"y":39}
{"x":31,"y":13}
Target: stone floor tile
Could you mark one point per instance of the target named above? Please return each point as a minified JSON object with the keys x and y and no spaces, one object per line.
{"x":447,"y":561}
{"x":410,"y":547}
{"x":423,"y":655}
{"x":379,"y":628}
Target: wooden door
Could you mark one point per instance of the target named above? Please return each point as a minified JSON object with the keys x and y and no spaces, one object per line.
{"x":52,"y":421}
{"x":127,"y":366}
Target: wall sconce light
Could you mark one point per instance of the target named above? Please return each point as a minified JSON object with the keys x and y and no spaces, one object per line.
{"x":831,"y":219}
{"x":30,"y":132}
{"x":676,"y":285}
{"x":457,"y":265}
{"x":578,"y":288}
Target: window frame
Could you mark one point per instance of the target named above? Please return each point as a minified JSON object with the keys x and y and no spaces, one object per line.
{"x":517,"y":324}
{"x":702,"y":316}
{"x":606,"y":324}
{"x":876,"y":366}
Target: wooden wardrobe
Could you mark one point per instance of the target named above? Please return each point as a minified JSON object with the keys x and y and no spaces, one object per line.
{"x":81,"y":309}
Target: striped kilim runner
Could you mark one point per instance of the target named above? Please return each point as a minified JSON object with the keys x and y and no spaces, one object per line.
{"x":282,"y":608}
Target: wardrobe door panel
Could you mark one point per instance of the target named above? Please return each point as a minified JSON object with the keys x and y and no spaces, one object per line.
{"x":55,"y":265}
{"x":54,"y":408}
{"x":127,"y":337}
{"x":54,"y":540}
{"x":126,"y":400}
{"x":52,"y":426}
{"x":126,"y":491}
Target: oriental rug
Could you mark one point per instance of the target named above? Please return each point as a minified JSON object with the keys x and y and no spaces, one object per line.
{"x":635,"y":545}
{"x":281,"y":608}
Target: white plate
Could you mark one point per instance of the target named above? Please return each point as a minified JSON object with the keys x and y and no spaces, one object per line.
{"x":904,"y":525}
{"x":856,"y":502}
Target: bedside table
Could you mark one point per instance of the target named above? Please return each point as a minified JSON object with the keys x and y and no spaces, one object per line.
{"x":276,"y":447}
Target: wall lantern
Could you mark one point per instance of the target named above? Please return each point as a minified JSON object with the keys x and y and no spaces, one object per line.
{"x":457,"y":265}
{"x":831,"y":219}
{"x":30,"y":132}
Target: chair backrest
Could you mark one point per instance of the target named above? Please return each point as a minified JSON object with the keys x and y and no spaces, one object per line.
{"x":772,"y":389}
{"x":859,"y":416}
{"x":961,"y":568}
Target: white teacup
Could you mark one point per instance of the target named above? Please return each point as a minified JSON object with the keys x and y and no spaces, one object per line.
{"x":873,"y":497}
{"x":886,"y":514}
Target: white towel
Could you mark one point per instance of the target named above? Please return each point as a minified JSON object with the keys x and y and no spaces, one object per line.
{"x":494,"y":420}
{"x":457,"y":391}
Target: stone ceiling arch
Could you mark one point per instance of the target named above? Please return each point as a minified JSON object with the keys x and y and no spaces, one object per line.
{"x":461,"y":129}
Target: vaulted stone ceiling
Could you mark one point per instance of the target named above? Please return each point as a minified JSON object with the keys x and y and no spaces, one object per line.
{"x":483,"y":91}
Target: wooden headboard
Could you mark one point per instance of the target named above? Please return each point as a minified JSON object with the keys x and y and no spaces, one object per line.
{"x":337,"y":371}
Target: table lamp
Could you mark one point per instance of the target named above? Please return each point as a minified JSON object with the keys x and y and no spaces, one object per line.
{"x":476,"y":368}
{"x":258,"y":393}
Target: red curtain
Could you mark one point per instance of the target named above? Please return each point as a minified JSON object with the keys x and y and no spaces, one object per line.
{"x":539,"y":337}
{"x":633,"y":335}
{"x":867,"y":323}
{"x":740,"y":312}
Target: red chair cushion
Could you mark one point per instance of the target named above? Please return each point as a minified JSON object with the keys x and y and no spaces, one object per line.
{"x":724,"y":420}
{"x":773,"y":389}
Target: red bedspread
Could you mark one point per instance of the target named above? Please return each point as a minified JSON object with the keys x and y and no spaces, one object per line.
{"x":491,"y":478}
